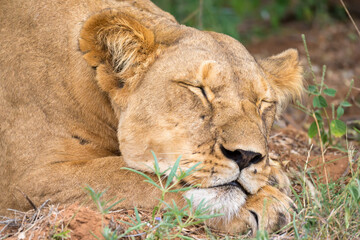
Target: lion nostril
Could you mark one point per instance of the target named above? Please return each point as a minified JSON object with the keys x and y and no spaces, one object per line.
{"x":255,"y":158}
{"x":234,"y":155}
{"x":241,"y":157}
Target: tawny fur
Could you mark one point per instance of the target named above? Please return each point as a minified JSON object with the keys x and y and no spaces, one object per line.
{"x":90,"y":86}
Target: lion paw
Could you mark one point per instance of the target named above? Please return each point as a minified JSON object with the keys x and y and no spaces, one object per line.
{"x":269,"y":209}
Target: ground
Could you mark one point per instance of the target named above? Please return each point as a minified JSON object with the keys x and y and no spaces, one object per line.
{"x":335,"y":45}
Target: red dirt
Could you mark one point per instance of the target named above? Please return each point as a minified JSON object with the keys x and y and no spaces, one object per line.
{"x":80,"y":220}
{"x":290,"y":146}
{"x":84,"y":223}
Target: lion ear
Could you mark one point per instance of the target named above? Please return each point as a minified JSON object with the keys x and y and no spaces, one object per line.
{"x":118,"y":46}
{"x":285,"y":74}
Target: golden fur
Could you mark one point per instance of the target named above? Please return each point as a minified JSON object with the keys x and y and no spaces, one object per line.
{"x":147,"y":83}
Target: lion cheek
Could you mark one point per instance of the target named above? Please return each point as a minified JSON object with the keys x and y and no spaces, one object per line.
{"x":220,"y":175}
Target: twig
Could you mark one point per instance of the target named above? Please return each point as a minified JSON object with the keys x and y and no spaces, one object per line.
{"x":308,"y":58}
{"x":352,"y":20}
{"x":142,"y":233}
{"x":28,"y":199}
{"x":44,"y":204}
{"x":275,"y":135}
{"x":190,"y":16}
{"x":305,"y":169}
{"x":313,"y":192}
{"x":15,"y":211}
{"x":355,"y":160}
{"x":322,"y":156}
{"x":350,"y":88}
{"x":5,"y":227}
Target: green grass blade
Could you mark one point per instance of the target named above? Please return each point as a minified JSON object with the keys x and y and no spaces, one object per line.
{"x":94,"y":235}
{"x":113,"y":205}
{"x":185,"y":237}
{"x":138,"y":219}
{"x":153,"y":183}
{"x":138,"y":172}
{"x":181,"y":189}
{"x":172,"y":172}
{"x":295,"y":228}
{"x":131,"y":229}
{"x":190,"y":170}
{"x":156,"y":163}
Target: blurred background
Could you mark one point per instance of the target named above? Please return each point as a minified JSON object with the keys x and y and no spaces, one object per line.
{"x":248,"y":19}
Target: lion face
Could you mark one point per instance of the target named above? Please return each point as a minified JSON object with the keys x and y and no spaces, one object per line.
{"x":208,"y":108}
{"x":205,"y":110}
{"x":203,"y":96}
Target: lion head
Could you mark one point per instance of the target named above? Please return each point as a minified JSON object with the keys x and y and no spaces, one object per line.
{"x":201,"y":95}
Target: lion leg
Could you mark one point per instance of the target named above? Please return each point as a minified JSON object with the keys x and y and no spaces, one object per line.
{"x":65,"y":183}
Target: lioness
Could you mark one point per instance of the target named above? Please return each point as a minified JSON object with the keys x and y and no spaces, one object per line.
{"x":90,"y":86}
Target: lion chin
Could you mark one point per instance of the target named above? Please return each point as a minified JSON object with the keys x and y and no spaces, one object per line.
{"x":91,"y":86}
{"x":226,"y":200}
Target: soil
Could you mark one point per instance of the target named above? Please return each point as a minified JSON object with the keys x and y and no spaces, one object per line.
{"x":337,"y":46}
{"x":291,"y":147}
{"x":81,"y":222}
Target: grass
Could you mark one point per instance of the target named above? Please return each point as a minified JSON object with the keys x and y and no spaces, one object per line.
{"x":168,"y":220}
{"x":320,"y":217}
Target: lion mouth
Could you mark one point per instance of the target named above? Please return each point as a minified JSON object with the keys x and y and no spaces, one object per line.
{"x":235,"y":184}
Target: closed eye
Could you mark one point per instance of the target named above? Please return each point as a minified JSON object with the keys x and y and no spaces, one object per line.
{"x":204,"y":93}
{"x":198,"y":90}
{"x":265,"y":104}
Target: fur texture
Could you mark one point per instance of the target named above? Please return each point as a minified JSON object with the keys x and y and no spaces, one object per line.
{"x":90,"y":86}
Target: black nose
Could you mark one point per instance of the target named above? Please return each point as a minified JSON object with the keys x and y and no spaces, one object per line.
{"x":241,"y":157}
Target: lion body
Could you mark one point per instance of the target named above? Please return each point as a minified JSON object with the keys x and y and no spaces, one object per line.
{"x":51,"y":107}
{"x":62,"y":123}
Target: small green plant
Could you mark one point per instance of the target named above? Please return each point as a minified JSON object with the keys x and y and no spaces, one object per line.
{"x":172,"y":221}
{"x":101,"y":204}
{"x":171,"y":182}
{"x":104,"y":207}
{"x":262,"y":235}
{"x":62,"y":235}
{"x":324,"y":125}
{"x":168,"y":220}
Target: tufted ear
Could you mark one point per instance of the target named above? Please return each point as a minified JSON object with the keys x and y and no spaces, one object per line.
{"x":119,"y":47}
{"x":285,"y":74}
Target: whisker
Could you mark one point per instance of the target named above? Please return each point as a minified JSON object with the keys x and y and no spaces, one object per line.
{"x":171,"y":153}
